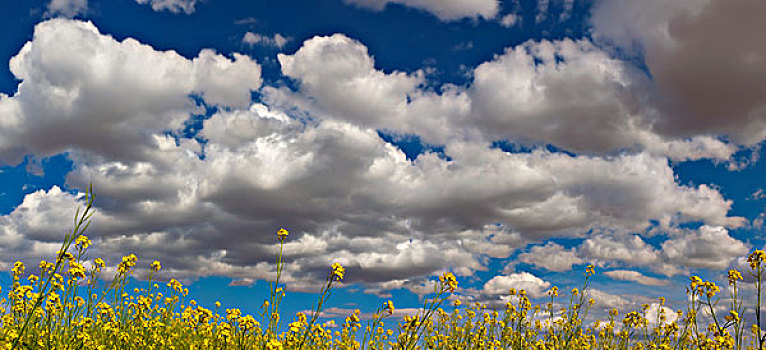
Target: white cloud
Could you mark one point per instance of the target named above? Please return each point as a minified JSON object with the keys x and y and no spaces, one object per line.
{"x":344,"y":187}
{"x":635,"y":276}
{"x":175,"y":6}
{"x":606,"y":300}
{"x":69,"y":98}
{"x":500,"y":285}
{"x":552,"y":257}
{"x":222,"y":81}
{"x":574,"y":95}
{"x":628,"y":250}
{"x":277,"y":40}
{"x":340,"y":75}
{"x":710,"y":247}
{"x":36,"y":227}
{"x":67,"y":8}
{"x":567,"y":93}
{"x":446,"y":10}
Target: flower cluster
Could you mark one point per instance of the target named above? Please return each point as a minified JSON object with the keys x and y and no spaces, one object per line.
{"x":449,"y":281}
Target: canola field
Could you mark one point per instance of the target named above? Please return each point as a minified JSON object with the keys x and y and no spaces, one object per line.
{"x":69,"y":304}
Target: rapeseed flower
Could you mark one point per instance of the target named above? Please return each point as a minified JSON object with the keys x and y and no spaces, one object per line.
{"x":338,"y":271}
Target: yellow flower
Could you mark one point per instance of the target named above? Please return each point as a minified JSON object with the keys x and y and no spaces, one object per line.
{"x":82,"y":241}
{"x":76,"y":270}
{"x":274,"y":344}
{"x":64,"y":255}
{"x":755,"y":258}
{"x":18,"y":268}
{"x":338,"y":271}
{"x":734,"y":275}
{"x":156,"y":265}
{"x":282,"y":233}
{"x":457,"y":302}
{"x":99,"y":263}
{"x":127,"y":263}
{"x":448,"y":280}
{"x":389,"y":305}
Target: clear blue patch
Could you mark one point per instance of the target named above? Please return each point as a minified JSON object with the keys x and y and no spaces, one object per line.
{"x":29,"y":176}
{"x":512,"y":147}
{"x":738,"y":186}
{"x":412,"y":145}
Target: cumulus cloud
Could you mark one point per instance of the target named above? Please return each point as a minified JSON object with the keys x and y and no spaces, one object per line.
{"x":574,"y":95}
{"x":175,"y":6}
{"x":631,"y":250}
{"x":35,"y":228}
{"x":680,"y":39}
{"x":339,"y":74}
{"x":567,"y":93}
{"x":635,"y":276}
{"x":605,"y":300}
{"x":347,"y":196}
{"x":69,"y":97}
{"x":500,"y":285}
{"x":552,"y":257}
{"x":709,"y":247}
{"x":446,"y":10}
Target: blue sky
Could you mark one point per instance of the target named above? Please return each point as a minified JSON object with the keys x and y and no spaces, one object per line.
{"x":509,"y":142}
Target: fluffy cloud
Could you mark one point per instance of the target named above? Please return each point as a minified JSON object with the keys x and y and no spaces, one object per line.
{"x":350,"y":197}
{"x":175,"y":6}
{"x":631,"y":250}
{"x":35,"y":228}
{"x":635,"y":276}
{"x":567,"y":93}
{"x":338,"y":73}
{"x":679,"y":40}
{"x":552,"y":257}
{"x":499,"y":285}
{"x":574,"y":95}
{"x":709,"y":247}
{"x":69,"y":97}
{"x":446,"y":10}
{"x":605,"y":300}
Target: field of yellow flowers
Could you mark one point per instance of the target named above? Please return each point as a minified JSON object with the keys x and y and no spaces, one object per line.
{"x":69,"y":305}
